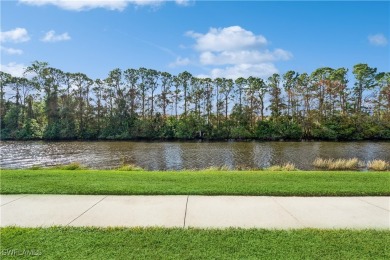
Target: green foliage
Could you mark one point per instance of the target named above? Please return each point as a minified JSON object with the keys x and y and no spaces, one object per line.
{"x":129,"y":167}
{"x":324,"y":132}
{"x":189,"y":127}
{"x":266,"y":130}
{"x":240,"y":133}
{"x":292,"y":131}
{"x":217,"y":168}
{"x":31,"y":130}
{"x":71,"y":166}
{"x":11,"y":123}
{"x":167,"y":130}
{"x":152,"y":105}
{"x":36,"y":167}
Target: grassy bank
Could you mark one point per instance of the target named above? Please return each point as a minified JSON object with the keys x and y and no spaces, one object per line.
{"x":158,"y":243}
{"x":108,"y":182}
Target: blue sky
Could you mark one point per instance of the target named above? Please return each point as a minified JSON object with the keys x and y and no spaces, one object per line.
{"x":206,"y":38}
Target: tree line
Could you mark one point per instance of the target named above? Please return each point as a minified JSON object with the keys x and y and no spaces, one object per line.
{"x":50,"y":104}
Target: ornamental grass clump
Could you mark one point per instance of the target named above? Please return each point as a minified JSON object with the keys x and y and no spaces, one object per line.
{"x":321,"y":163}
{"x":245,"y":168}
{"x":217,"y":168}
{"x":71,"y":166}
{"x":344,"y":164}
{"x":378,"y":165}
{"x":337,"y":164}
{"x":36,"y":167}
{"x":285,"y":167}
{"x":274,"y":168}
{"x":289,"y":167}
{"x":129,"y":167}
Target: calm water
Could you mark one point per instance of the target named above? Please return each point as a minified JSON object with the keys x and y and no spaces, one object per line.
{"x":188,"y":155}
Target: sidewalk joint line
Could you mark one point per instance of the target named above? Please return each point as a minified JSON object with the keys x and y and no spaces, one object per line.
{"x":14,"y":200}
{"x":373,"y":204}
{"x":288,"y":212}
{"x":185,"y":212}
{"x":86,"y":210}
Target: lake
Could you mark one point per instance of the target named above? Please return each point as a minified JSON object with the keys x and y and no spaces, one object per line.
{"x":184,"y":155}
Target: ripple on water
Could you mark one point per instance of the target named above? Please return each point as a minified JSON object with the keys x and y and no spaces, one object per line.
{"x":184,"y":155}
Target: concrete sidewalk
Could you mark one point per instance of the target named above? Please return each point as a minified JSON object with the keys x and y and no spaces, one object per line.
{"x":195,"y":211}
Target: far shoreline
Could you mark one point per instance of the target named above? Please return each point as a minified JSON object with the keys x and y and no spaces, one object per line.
{"x":202,"y":140}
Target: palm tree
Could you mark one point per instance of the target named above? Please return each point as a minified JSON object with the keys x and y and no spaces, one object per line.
{"x":185,"y":78}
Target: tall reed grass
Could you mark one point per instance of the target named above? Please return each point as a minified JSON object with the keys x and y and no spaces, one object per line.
{"x":129,"y":167}
{"x":378,"y":165}
{"x":337,"y":164}
{"x":350,"y":164}
{"x":285,"y":167}
{"x":217,"y":168}
{"x":70,"y":166}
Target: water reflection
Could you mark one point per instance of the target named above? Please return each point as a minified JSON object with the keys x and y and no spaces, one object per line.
{"x":172,"y":156}
{"x":186,"y":155}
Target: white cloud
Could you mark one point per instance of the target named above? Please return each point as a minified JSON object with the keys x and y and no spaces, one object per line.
{"x":13,"y":68}
{"x":180,"y":62}
{"x":79,"y":5}
{"x":226,"y":39}
{"x":145,"y":2}
{"x":51,"y":36}
{"x":243,"y":56}
{"x":16,"y":35}
{"x":183,"y":2}
{"x":82,"y":5}
{"x":262,"y":70}
{"x":11,"y":51}
{"x":234,"y":52}
{"x":377,"y":39}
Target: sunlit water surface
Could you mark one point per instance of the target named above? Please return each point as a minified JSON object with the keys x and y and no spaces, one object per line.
{"x":184,"y":155}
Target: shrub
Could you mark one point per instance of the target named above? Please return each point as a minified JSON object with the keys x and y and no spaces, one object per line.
{"x":285,"y":167}
{"x":70,"y":166}
{"x":129,"y":167}
{"x":321,"y":163}
{"x":245,"y":168}
{"x":35,"y":167}
{"x":289,"y":167}
{"x":274,"y":168}
{"x":337,"y":164}
{"x":378,"y":165}
{"x":218,"y":168}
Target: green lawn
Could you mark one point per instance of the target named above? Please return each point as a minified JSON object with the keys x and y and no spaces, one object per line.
{"x":295,"y":183}
{"x":162,"y":243}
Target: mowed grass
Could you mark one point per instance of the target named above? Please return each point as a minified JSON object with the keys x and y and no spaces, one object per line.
{"x":162,"y":243}
{"x":109,"y":182}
